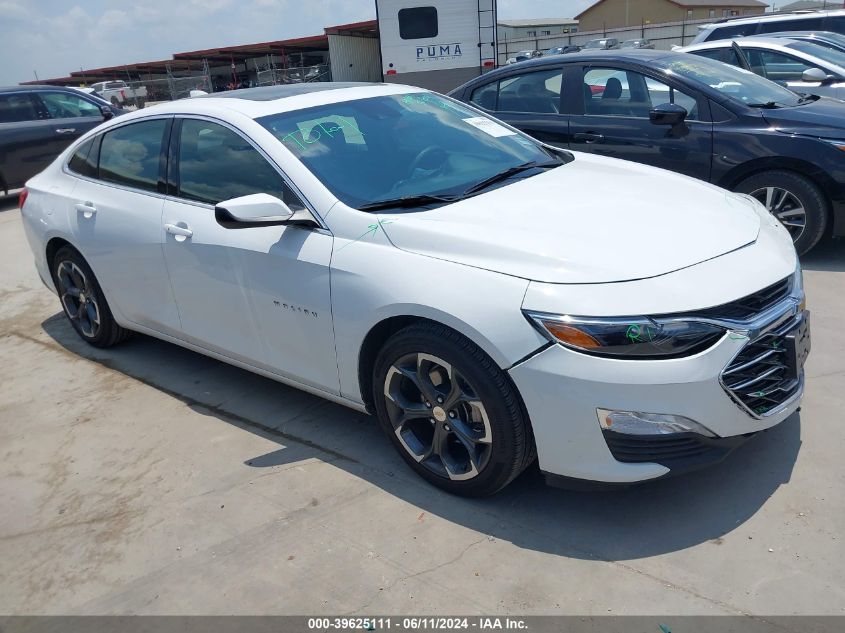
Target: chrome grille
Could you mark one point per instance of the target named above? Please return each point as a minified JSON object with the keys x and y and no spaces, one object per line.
{"x":760,"y":376}
{"x":752,"y":305}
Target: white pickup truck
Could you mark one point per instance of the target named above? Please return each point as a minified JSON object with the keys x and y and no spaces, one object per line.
{"x":120,"y":94}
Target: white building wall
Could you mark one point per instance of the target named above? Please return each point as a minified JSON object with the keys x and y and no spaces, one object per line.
{"x":354,"y":58}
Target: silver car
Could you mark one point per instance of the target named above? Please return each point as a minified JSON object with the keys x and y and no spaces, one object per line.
{"x":799,"y":65}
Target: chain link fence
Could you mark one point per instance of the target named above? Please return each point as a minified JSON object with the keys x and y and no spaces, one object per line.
{"x":304,"y":74}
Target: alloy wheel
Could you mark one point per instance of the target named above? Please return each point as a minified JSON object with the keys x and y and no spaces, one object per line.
{"x":78,"y":298}
{"x":438,"y":417}
{"x":786,"y":207}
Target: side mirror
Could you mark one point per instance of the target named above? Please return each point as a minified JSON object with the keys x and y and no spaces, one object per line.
{"x":258,"y":209}
{"x":817,"y":76}
{"x":668,"y":114}
{"x":106,"y":112}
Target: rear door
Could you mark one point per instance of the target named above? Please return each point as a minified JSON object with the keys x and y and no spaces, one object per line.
{"x":115,"y":217}
{"x":26,"y":136}
{"x":71,"y":115}
{"x":530,"y":101}
{"x":614,"y":121}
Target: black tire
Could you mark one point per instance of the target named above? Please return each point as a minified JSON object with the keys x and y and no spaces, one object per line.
{"x":505,"y":444}
{"x":73,"y":278}
{"x":140,"y":103}
{"x":808,"y":194}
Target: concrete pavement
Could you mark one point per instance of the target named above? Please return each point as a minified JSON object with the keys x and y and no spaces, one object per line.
{"x":148,"y":479}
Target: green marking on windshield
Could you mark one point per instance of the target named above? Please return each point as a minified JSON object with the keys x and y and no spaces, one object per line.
{"x":330,"y":128}
{"x":737,"y":336}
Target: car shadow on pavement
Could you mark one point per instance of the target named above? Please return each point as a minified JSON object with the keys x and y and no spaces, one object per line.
{"x":636,"y":522}
{"x":827,"y":256}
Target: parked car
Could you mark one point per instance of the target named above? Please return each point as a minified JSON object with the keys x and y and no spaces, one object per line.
{"x":826,"y":39}
{"x":37,"y":123}
{"x":119,"y":93}
{"x":687,"y":114}
{"x":522,"y":56}
{"x":641,"y":43}
{"x":771,"y":23}
{"x":800,"y":66}
{"x":401,"y":253}
{"x":563,"y":50}
{"x":606,"y":44}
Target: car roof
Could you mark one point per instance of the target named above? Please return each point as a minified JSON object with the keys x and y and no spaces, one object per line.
{"x":759,"y":40}
{"x":775,"y":17}
{"x":34,"y":88}
{"x":633,"y":55}
{"x":269,"y":100}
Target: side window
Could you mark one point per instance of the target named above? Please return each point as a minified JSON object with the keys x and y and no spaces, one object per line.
{"x":806,"y":24}
{"x":532,"y":92}
{"x":777,"y":66}
{"x":17,"y":107}
{"x":130,"y":155}
{"x":84,"y":159}
{"x":63,"y":105}
{"x":418,"y":23}
{"x":486,"y":96}
{"x":728,"y":32}
{"x":613,"y":92}
{"x":660,"y":93}
{"x":216,"y":164}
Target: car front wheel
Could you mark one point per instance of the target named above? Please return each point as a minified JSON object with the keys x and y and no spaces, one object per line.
{"x":795,"y":200}
{"x":83,"y":301}
{"x":451,"y":412}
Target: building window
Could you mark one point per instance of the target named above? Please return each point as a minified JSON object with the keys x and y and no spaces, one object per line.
{"x":532,"y":33}
{"x":418,"y":23}
{"x":689,"y":13}
{"x":712,"y":13}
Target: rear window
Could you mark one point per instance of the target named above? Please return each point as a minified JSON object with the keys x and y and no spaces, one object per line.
{"x":735,"y":30}
{"x":84,"y":159}
{"x":130,"y":155}
{"x":803,"y":24}
{"x":418,"y":23}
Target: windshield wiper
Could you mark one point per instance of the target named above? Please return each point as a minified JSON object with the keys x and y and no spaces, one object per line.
{"x":508,"y":173}
{"x":408,"y":201}
{"x":769,"y":105}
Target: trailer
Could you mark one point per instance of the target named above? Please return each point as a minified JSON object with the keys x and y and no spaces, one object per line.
{"x":436,"y":44}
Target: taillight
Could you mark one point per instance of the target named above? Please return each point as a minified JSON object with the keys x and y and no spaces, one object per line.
{"x":22,"y":198}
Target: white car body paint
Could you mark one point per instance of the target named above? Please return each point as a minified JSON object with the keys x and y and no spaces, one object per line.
{"x":596,"y":237}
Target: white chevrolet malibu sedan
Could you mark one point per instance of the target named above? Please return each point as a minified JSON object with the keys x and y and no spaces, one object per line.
{"x":490,"y":299}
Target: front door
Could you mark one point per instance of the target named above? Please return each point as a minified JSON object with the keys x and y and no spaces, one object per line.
{"x":71,"y":116}
{"x":614,"y":121}
{"x":259,"y":295}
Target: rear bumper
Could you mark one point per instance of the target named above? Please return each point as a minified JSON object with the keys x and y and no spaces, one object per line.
{"x":562,"y":390}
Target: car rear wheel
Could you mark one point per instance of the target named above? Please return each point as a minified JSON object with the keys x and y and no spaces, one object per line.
{"x":83,"y":301}
{"x":795,"y":200}
{"x":450,"y":411}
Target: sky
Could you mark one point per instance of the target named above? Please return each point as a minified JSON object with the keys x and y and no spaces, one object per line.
{"x":55,"y":37}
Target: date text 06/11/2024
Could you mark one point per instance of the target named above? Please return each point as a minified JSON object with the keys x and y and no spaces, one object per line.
{"x":415,"y":623}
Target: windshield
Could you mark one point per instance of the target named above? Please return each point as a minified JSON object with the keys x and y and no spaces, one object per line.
{"x":402,"y":146}
{"x":831,"y":55}
{"x":737,"y":83}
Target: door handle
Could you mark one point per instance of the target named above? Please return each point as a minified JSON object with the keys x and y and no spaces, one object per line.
{"x":87,"y":209}
{"x":178,"y":231}
{"x":589,"y":137}
{"x":65,"y":130}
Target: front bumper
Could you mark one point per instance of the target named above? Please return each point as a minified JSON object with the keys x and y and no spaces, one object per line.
{"x":562,"y":389}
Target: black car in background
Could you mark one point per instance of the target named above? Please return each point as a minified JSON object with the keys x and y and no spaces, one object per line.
{"x":687,"y":114}
{"x":37,"y":123}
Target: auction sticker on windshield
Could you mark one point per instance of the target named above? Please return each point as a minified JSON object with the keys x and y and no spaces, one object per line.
{"x":488,"y":125}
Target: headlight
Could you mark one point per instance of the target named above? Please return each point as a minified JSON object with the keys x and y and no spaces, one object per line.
{"x":634,"y":338}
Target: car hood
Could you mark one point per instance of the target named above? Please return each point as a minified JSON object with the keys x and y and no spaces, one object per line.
{"x":594,"y":220}
{"x":822,"y":118}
